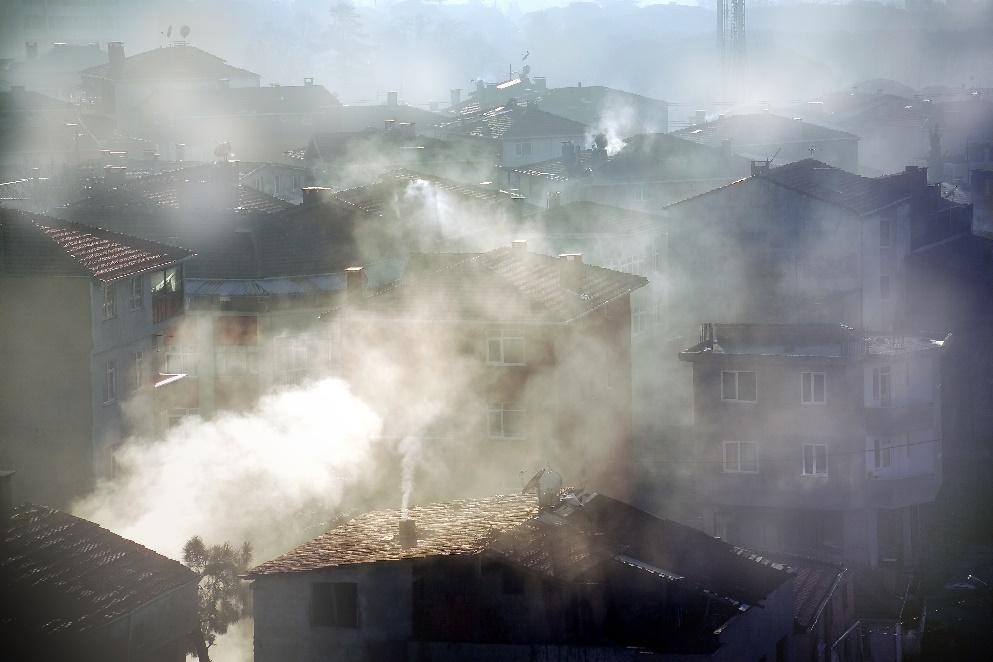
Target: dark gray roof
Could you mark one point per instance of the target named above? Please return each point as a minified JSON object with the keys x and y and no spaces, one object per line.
{"x":61,"y":574}
{"x":178,"y":62}
{"x":513,"y":121}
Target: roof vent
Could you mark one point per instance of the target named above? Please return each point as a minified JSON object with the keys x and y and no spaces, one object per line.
{"x":519,"y":245}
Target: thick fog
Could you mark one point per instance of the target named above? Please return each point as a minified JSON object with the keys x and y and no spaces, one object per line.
{"x":388,"y":414}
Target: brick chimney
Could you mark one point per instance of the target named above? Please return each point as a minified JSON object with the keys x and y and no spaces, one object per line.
{"x":115,"y":54}
{"x":180,"y":152}
{"x":571,"y":271}
{"x":354,"y":284}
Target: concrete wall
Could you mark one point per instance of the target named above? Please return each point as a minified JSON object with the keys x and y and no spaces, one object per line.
{"x":45,"y":397}
{"x":282,"y":616}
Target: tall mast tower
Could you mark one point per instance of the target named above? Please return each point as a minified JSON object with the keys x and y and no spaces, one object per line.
{"x":731,"y":44}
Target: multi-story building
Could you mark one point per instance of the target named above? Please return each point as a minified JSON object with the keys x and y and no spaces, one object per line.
{"x":83,"y":316}
{"x":516,"y":360}
{"x":813,"y":439}
{"x":585,"y":577}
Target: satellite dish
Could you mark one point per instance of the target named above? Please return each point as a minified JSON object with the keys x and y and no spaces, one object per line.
{"x":184,"y":31}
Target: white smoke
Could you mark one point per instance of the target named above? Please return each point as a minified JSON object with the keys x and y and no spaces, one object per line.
{"x":241,"y":476}
{"x":410,"y":450}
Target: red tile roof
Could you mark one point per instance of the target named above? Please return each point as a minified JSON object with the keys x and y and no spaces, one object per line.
{"x":181,"y":62}
{"x":503,"y":285}
{"x":34,"y":244}
{"x":466,"y":526}
{"x":61,"y":574}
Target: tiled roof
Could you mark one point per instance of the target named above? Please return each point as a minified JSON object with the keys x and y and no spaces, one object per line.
{"x":814,"y":582}
{"x":759,"y":129}
{"x":522,"y":286}
{"x":581,"y":533}
{"x":466,"y":526}
{"x":34,"y":244}
{"x":862,"y":195}
{"x":171,"y":63}
{"x":513,"y":122}
{"x":62,"y":574}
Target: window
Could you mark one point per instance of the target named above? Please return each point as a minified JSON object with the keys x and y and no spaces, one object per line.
{"x":505,"y":347}
{"x":177,"y":414}
{"x":880,"y":453}
{"x":815,"y":460}
{"x":738,"y":385}
{"x":233,"y":361}
{"x":110,"y":382}
{"x":109,"y":301}
{"x":138,"y":370}
{"x":180,"y":360}
{"x":295,"y":358}
{"x":522,"y":149}
{"x":334,"y":604}
{"x":506,"y":420}
{"x":167,"y":293}
{"x":136,"y":298}
{"x":884,"y":287}
{"x":741,"y":457}
{"x":882,"y":386}
{"x":885,"y":232}
{"x":812,"y":387}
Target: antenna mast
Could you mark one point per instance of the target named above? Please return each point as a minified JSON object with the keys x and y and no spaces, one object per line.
{"x":731,"y":45}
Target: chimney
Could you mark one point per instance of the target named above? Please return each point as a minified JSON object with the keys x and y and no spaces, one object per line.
{"x":6,"y":497}
{"x":407,"y":130}
{"x":308,"y":81}
{"x":224,"y":83}
{"x":519,"y":246}
{"x":456,"y":96}
{"x":393,"y":98}
{"x":180,"y":152}
{"x":707,"y":334}
{"x":571,"y":271}
{"x":115,"y":54}
{"x":517,"y":202}
{"x":554,"y":200}
{"x":31,"y":49}
{"x":389,"y":124}
{"x":760,"y":167}
{"x":919,"y":172}
{"x":315,"y":194}
{"x":114,"y":176}
{"x":407,"y":533}
{"x":354,"y":284}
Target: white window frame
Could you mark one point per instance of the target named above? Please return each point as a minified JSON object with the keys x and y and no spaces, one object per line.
{"x":737,"y":385}
{"x":110,"y":382}
{"x":731,"y":461}
{"x":522,"y":148}
{"x":498,"y":340}
{"x":187,"y":358}
{"x":136,"y":293}
{"x":497,"y":411}
{"x":812,"y":377}
{"x":881,"y":452}
{"x":882,"y":376}
{"x":138,"y":365}
{"x":109,"y":307}
{"x":815,"y":468}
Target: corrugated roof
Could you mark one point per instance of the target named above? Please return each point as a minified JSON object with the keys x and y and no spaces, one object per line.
{"x":503,"y":285}
{"x":466,"y":526}
{"x":34,"y":244}
{"x":61,"y":574}
{"x":180,"y":61}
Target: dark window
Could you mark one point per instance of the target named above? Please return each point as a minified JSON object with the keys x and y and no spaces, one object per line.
{"x":738,"y":385}
{"x":334,"y":604}
{"x":167,"y":293}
